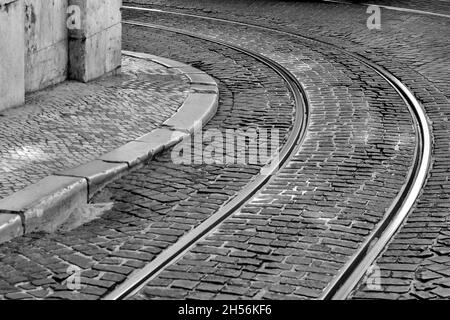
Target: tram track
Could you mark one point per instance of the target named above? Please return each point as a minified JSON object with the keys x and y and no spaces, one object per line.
{"x":356,"y":267}
{"x":136,"y":281}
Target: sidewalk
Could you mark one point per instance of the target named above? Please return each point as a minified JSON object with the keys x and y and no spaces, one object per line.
{"x":73,"y":123}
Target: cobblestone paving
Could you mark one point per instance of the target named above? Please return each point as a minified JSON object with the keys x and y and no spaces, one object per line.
{"x":416,"y":49}
{"x":73,"y":123}
{"x":155,"y":205}
{"x":335,"y":188}
{"x":293,"y":238}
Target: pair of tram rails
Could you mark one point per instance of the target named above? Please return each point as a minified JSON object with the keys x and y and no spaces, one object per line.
{"x":349,"y":276}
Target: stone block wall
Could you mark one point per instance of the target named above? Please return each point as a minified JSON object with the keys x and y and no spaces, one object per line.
{"x":12,"y":60}
{"x":95,"y":47}
{"x":38,"y":48}
{"x":46,"y":43}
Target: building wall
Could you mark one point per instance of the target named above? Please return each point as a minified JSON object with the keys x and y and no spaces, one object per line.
{"x":46,"y":43}
{"x":11,"y":54}
{"x":38,"y":47}
{"x":95,"y":48}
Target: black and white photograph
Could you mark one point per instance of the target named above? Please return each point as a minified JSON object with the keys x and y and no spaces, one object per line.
{"x":224,"y":158}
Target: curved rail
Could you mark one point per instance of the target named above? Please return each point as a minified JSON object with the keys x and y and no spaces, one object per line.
{"x":354,"y":270}
{"x":138,"y":280}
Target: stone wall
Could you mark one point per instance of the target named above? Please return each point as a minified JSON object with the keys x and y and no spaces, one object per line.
{"x":93,"y":47}
{"x":37,"y":49}
{"x":46,"y":43}
{"x":12,"y":61}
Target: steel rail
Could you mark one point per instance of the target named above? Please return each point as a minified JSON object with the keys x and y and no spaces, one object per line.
{"x":140,"y":278}
{"x":353,"y":271}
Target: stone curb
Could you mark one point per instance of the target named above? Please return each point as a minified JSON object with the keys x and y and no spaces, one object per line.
{"x":45,"y":205}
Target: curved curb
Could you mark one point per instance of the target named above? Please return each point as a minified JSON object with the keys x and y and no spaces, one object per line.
{"x":45,"y":205}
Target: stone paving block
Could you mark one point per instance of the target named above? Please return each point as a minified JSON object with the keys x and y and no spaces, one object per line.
{"x":48,"y":203}
{"x":132,"y":153}
{"x":168,"y":62}
{"x":160,"y":60}
{"x":200,"y":78}
{"x":190,"y":70}
{"x":202,"y":88}
{"x":195,"y":111}
{"x":139,"y":55}
{"x":10,"y":226}
{"x":98,"y":173}
{"x":162,"y":138}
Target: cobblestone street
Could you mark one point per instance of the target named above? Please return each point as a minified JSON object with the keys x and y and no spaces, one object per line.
{"x":172,"y":230}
